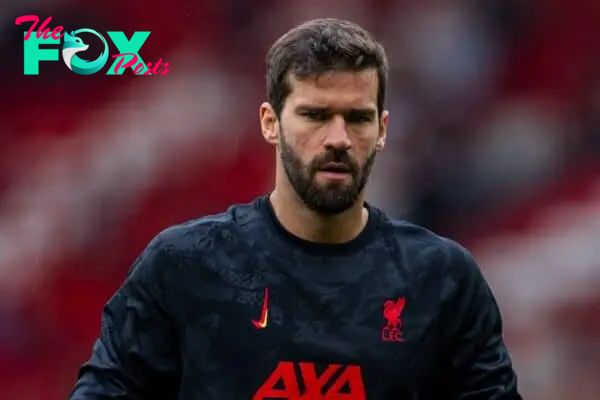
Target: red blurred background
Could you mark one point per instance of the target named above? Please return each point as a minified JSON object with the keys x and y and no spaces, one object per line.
{"x":494,"y":141}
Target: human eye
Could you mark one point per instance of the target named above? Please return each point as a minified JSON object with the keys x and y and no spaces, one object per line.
{"x":359,"y":117}
{"x":316,"y":115}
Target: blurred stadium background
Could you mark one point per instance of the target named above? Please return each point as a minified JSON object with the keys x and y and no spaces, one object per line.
{"x":495,"y":141}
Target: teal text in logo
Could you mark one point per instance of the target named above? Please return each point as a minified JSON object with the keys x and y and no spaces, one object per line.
{"x":36,"y":49}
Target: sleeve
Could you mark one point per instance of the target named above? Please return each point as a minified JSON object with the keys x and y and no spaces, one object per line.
{"x":135,"y":356}
{"x":480,"y":366}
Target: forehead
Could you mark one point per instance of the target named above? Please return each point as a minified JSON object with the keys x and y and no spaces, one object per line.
{"x":337,"y":89}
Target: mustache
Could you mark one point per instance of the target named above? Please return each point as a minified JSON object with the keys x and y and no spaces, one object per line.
{"x":337,"y":156}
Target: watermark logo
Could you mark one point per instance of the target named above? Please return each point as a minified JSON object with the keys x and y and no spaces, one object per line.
{"x":128,"y":56}
{"x":73,"y":45}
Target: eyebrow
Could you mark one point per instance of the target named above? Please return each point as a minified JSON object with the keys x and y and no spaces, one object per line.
{"x":367,"y":111}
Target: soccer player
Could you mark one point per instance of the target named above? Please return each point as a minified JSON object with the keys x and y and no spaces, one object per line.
{"x":307,"y":293}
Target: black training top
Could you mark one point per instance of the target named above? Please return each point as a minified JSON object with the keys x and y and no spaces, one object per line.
{"x":234,"y":307}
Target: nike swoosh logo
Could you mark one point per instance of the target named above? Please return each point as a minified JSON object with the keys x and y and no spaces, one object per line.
{"x":264,"y":315}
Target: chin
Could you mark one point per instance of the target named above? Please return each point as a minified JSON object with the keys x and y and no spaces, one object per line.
{"x":334,"y":183}
{"x":334,"y":209}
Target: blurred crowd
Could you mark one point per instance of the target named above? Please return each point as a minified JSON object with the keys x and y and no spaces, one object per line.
{"x":494,"y":141}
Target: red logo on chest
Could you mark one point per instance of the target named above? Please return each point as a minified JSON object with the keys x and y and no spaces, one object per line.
{"x":392,"y":312}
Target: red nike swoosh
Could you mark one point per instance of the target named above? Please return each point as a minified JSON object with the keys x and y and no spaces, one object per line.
{"x":262,"y":323}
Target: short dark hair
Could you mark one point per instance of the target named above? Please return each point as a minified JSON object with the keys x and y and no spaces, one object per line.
{"x":319,"y":46}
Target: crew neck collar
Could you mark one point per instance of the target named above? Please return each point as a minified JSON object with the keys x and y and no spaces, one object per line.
{"x":315,"y":248}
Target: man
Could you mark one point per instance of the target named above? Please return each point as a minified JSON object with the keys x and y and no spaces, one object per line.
{"x":307,"y":293}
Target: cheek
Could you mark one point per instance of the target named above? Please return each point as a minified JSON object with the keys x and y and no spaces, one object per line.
{"x":297,"y":145}
{"x":307,"y":144}
{"x":295,"y":133}
{"x":309,"y":136}
{"x":363,"y":146}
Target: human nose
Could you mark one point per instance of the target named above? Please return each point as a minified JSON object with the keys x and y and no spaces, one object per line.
{"x":337,"y":134}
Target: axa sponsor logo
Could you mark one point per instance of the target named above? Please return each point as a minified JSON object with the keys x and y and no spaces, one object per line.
{"x":300,"y":381}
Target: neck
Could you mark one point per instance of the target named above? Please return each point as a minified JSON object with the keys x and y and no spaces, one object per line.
{"x":304,"y":223}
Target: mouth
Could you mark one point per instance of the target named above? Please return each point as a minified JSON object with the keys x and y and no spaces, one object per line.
{"x":339,"y":168}
{"x":335,"y":171}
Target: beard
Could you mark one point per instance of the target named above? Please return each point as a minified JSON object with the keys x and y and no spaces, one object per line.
{"x":325,"y":199}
